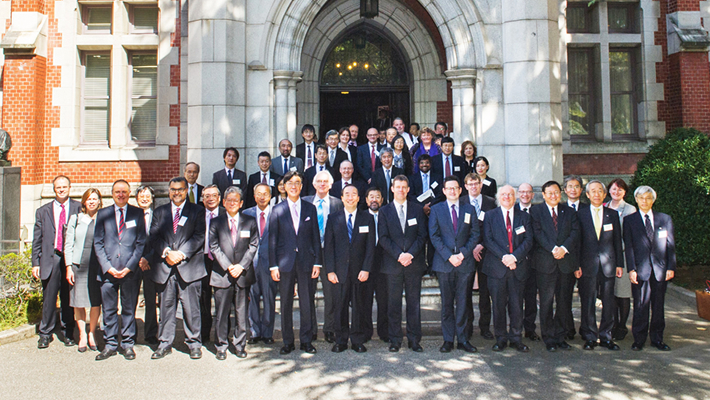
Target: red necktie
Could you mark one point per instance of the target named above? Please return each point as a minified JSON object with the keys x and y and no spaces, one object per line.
{"x":60,"y":228}
{"x":121,"y":223}
{"x":176,"y":220}
{"x":372,"y":157}
{"x":448,"y":168}
{"x":262,"y":223}
{"x":509,"y":227}
{"x":554,"y":218}
{"x":309,"y":157}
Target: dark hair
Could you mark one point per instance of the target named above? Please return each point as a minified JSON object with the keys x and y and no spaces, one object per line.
{"x":143,"y":188}
{"x":195,"y":164}
{"x":570,"y":178}
{"x":471,"y":176}
{"x":448,"y":139}
{"x":290,"y":175}
{"x":452,"y":178}
{"x":343,"y":129}
{"x":178,"y":179}
{"x":307,"y":127}
{"x":400,"y":178}
{"x":372,"y":189}
{"x":352,"y":186}
{"x":264,"y":154}
{"x":123,"y":181}
{"x":442,"y":124}
{"x":620,"y":183}
{"x":61,"y":177}
{"x":85,"y":197}
{"x":425,"y":157}
{"x":211,"y":186}
{"x":481,"y":158}
{"x":551,"y":183}
{"x":228,"y":149}
{"x":415,"y":124}
{"x":465,"y":144}
{"x":321,"y":146}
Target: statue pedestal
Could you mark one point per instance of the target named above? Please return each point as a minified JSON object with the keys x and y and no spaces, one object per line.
{"x":9,"y":209}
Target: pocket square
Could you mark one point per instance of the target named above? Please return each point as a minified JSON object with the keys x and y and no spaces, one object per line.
{"x":307,"y":219}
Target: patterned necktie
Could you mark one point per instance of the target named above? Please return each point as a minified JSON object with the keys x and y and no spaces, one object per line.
{"x":649,"y":228}
{"x":321,"y":219}
{"x":509,"y":227}
{"x":373,"y":158}
{"x":233,"y":231}
{"x":477,"y":207}
{"x":350,"y":228}
{"x":402,"y":217}
{"x":554,"y":218}
{"x":60,"y":228}
{"x":176,"y":220}
{"x":309,"y":157}
{"x":262,"y":223}
{"x":121,"y":223}
{"x":377,"y":234}
{"x":263,"y":178}
{"x":448,"y":168}
{"x":454,"y":218}
{"x":597,"y":222}
{"x":192,"y":194}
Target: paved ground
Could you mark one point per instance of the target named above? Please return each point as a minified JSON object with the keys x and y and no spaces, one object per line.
{"x":683,"y":373}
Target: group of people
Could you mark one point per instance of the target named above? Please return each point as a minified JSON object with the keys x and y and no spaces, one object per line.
{"x":369,"y":222}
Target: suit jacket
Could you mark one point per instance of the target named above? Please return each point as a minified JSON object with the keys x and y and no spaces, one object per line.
{"x":348,"y":257}
{"x":227,"y":254}
{"x":335,"y":203}
{"x":417,"y":188}
{"x":495,"y":239}
{"x":45,"y":234}
{"x":220,"y":179}
{"x":198,"y":199}
{"x":337,"y":189}
{"x":446,"y":242}
{"x":487,"y":204}
{"x":340,"y":156}
{"x":394,"y":242}
{"x":643,"y":254}
{"x":116,"y":253}
{"x":75,"y":238}
{"x":189,"y":239}
{"x":379,"y":181}
{"x":491,"y":189}
{"x":546,"y":238}
{"x":458,"y":168}
{"x":606,"y":252}
{"x":277,"y":165}
{"x":307,"y":189}
{"x":255,"y":179}
{"x":301,"y":153}
{"x":286,"y":247}
{"x":363,"y":164}
{"x":261,"y":258}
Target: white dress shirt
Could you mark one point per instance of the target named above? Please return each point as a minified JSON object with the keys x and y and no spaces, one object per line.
{"x":118,"y":215}
{"x":208,"y":218}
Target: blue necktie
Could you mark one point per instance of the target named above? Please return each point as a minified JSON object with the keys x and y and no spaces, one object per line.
{"x":350,"y":227}
{"x":477,"y":206}
{"x":425,"y":178}
{"x":285,"y":165}
{"x":321,"y":219}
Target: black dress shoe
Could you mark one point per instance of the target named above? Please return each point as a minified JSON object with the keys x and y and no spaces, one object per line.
{"x":308,"y":348}
{"x":196,"y":353}
{"x":520,"y":347}
{"x":129,"y":354}
{"x":589,"y":345}
{"x":620,"y":333}
{"x":287,"y":348}
{"x":241,"y":354}
{"x":314,"y":338}
{"x":467,"y":347}
{"x":487,"y":335}
{"x":330,"y":337}
{"x":221,"y":355}
{"x":339,"y":348}
{"x":69,"y":342}
{"x":499,"y":346}
{"x":533,"y":336}
{"x":254,"y":340}
{"x":359,"y":348}
{"x":446,"y":347}
{"x":609,"y":344}
{"x":43,"y":342}
{"x":386,"y":339}
{"x":152,"y":340}
{"x":416,"y":347}
{"x":551,"y":348}
{"x":160,"y":353}
{"x":570,"y":336}
{"x":661,"y":346}
{"x":105,"y":353}
{"x":564,"y":345}
{"x":636,"y":346}
{"x":268,"y":340}
{"x":394,"y":348}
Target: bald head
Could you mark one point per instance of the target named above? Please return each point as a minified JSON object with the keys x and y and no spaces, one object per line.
{"x":506,"y":196}
{"x":525,"y":194}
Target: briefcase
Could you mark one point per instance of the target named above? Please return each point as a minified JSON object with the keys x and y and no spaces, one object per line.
{"x":703,"y":299}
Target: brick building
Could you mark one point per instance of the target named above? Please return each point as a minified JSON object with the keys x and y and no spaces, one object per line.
{"x":101,"y":89}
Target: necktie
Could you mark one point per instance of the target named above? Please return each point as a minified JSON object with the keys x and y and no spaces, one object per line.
{"x":321,"y":219}
{"x":574,"y":207}
{"x":321,"y":168}
{"x":554,"y":218}
{"x":60,"y":228}
{"x":207,"y":239}
{"x":425,"y":181}
{"x":331,"y":157}
{"x":377,"y":234}
{"x":477,"y":207}
{"x":147,"y":222}
{"x":262,"y":223}
{"x":387,"y":179}
{"x":233,"y":230}
{"x":649,"y":228}
{"x":350,"y":228}
{"x":121,"y":223}
{"x":294,"y":217}
{"x":285,"y":165}
{"x":454,"y":218}
{"x":597,"y":222}
{"x":402,"y":217}
{"x":176,"y":220}
{"x":373,"y":158}
{"x":263,"y":179}
{"x":192,"y":194}
{"x":309,"y":157}
{"x":509,"y":227}
{"x":229,"y":176}
{"x":525,"y":209}
{"x":448,"y":168}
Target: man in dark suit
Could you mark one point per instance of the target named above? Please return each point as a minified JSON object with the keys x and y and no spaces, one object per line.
{"x":144,"y":199}
{"x":295,"y":256}
{"x":194,"y":189}
{"x":572,"y":186}
{"x":306,"y":151}
{"x":368,"y":155}
{"x":212,"y":210}
{"x":233,"y":238}
{"x":482,"y":204}
{"x":556,"y":232}
{"x":119,"y":239}
{"x":454,"y":232}
{"x":426,"y":180}
{"x":265,"y":176}
{"x":264,"y":289}
{"x":383,"y":176}
{"x":349,"y":252}
{"x":310,"y":173}
{"x":525,"y":197}
{"x":336,"y":155}
{"x":285,"y":162}
{"x":601,"y":261}
{"x":230,"y":175}
{"x":347,"y":178}
{"x":650,"y":259}
{"x":376,"y":285}
{"x":48,"y":262}
{"x":447,"y":163}
{"x":508,"y":238}
{"x":403,"y":231}
{"x":177,"y":237}
{"x":325,"y":205}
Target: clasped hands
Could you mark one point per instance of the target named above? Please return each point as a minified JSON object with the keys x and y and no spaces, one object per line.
{"x":405,"y":259}
{"x":510,"y":261}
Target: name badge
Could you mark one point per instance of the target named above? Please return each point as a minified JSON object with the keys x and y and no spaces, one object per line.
{"x":457,"y":169}
{"x":244,"y":234}
{"x":662,"y":234}
{"x":292,"y":169}
{"x":487,"y":182}
{"x":182,"y":221}
{"x":467,"y":218}
{"x":412,"y":222}
{"x":481,"y":216}
{"x":520,"y":230}
{"x":271,"y":182}
{"x":364,"y":229}
{"x":236,"y":181}
{"x":608,"y":227}
{"x":422,"y":197}
{"x":434,"y":185}
{"x":130,"y":224}
{"x":86,"y":219}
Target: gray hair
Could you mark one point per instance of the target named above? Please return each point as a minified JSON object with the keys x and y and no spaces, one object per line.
{"x":264,"y":185}
{"x":387,"y":150}
{"x":232,"y":190}
{"x":321,"y":173}
{"x":331,"y":133}
{"x":573,"y":178}
{"x":501,"y":189}
{"x":641,"y":190}
{"x":596,"y":181}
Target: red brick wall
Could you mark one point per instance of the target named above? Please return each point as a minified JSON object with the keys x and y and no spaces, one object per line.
{"x":444,"y":109}
{"x":600,"y":164}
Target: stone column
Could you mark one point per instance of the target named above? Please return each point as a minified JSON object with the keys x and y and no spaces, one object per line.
{"x":463,"y":94}
{"x":285,"y":104}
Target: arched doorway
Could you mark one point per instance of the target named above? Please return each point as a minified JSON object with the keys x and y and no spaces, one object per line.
{"x":364,"y":80}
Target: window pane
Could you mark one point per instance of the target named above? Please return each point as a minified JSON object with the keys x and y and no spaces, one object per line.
{"x":622,"y":116}
{"x":96,"y":97}
{"x":98,"y":19}
{"x":619,"y":20}
{"x":580,"y":94}
{"x":579,"y":118}
{"x":579,"y":71}
{"x":144,"y":103}
{"x":145,"y":19}
{"x":620,"y":71}
{"x":577,"y":19}
{"x":144,"y":118}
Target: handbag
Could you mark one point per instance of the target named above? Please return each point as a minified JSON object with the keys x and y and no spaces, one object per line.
{"x":703,"y":299}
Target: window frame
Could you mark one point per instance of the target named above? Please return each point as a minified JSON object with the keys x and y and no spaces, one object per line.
{"x":130,"y":97}
{"x":85,"y":9}
{"x":632,"y":9}
{"x":633,"y":92}
{"x":589,"y":17}
{"x":131,"y":20}
{"x":592,"y":92}
{"x":82,"y":111}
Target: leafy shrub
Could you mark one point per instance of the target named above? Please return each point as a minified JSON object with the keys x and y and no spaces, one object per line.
{"x":678,"y":168}
{"x":20,"y":297}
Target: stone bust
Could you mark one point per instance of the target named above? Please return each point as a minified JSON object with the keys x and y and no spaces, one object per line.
{"x":5,"y":145}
